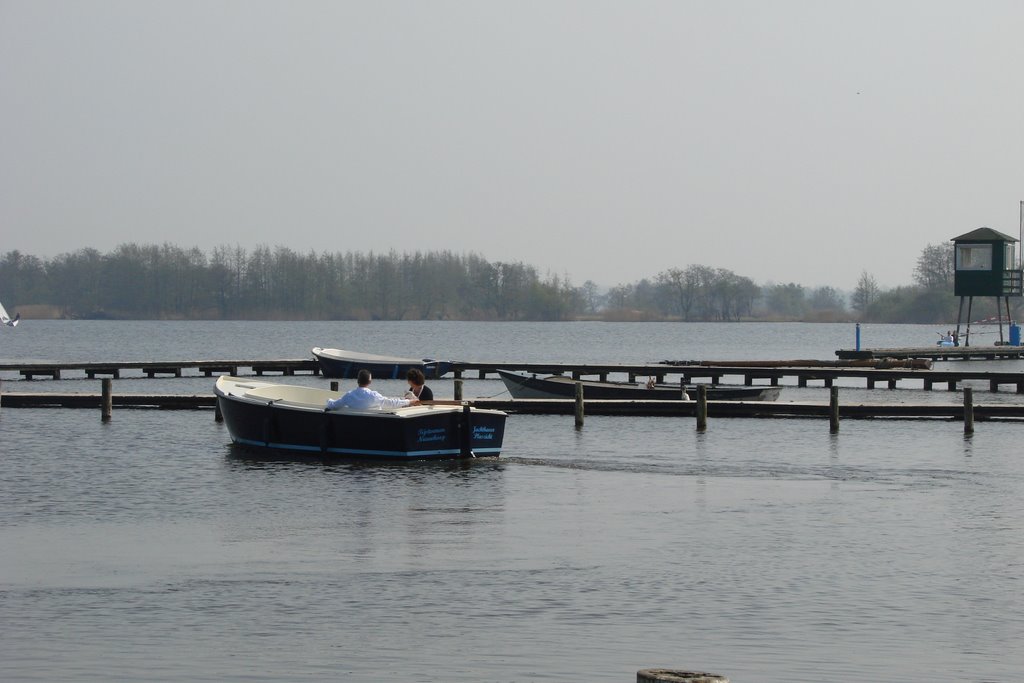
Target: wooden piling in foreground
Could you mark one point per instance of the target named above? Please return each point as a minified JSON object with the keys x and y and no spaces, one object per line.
{"x":466,"y":434}
{"x":677,"y":676}
{"x":458,"y":390}
{"x":702,"y":408}
{"x":579,"y":405}
{"x":833,"y":409}
{"x":968,"y":410}
{"x":107,"y":402}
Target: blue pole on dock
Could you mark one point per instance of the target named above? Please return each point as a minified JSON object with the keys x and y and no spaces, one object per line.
{"x":858,"y":336}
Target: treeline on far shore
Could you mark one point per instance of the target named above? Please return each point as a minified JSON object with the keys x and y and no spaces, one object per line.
{"x":169,"y":282}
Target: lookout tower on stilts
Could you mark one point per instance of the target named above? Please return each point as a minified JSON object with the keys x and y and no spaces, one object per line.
{"x":985,"y":264}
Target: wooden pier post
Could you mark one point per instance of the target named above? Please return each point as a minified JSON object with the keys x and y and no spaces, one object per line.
{"x":968,"y":410}
{"x":217,"y":415}
{"x":833,"y":410}
{"x":334,"y":386}
{"x":107,"y":405}
{"x":702,"y":408}
{"x":466,"y":435}
{"x":677,"y":676}
{"x":458,"y":390}
{"x":579,"y":405}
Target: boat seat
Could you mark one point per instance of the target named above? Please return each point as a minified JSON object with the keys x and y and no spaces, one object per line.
{"x":291,"y":394}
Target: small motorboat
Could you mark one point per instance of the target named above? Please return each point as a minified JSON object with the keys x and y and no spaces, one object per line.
{"x":560,"y":386}
{"x":347,"y":364}
{"x":285,"y":417}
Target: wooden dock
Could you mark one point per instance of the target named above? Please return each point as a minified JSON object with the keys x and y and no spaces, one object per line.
{"x":732,"y":409}
{"x":40,"y":399}
{"x":755,"y":409}
{"x":936,"y":353}
{"x":748,"y":373}
{"x":173,"y":368}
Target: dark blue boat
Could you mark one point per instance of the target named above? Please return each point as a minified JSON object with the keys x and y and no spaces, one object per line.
{"x":285,"y":417}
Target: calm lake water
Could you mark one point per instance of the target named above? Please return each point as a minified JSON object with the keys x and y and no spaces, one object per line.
{"x":149,"y":549}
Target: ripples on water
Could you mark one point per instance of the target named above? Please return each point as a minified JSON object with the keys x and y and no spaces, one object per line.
{"x":767,"y":550}
{"x":149,"y":548}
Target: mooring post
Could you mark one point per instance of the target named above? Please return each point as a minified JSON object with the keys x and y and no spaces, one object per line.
{"x":579,"y":404}
{"x":833,"y":409}
{"x":677,"y":676}
{"x":466,"y":436}
{"x":107,"y":405}
{"x":217,"y":415}
{"x":968,"y":410}
{"x":458,"y":390}
{"x":702,"y":407}
{"x":858,"y":336}
{"x":334,"y":386}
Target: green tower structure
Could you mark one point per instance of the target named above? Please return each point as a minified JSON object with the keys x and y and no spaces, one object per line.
{"x":985,"y":264}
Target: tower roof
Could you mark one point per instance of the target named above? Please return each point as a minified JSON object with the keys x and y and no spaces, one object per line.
{"x":984,"y":235}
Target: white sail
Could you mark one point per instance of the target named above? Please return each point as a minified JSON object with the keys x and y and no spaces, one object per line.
{"x":6,"y":319}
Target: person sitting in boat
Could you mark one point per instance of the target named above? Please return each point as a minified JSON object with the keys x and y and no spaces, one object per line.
{"x":417,"y":385}
{"x":365,"y":398}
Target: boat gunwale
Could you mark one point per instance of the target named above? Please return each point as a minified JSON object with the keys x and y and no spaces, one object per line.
{"x":362,"y":357}
{"x":671,"y":392}
{"x":404,"y":412}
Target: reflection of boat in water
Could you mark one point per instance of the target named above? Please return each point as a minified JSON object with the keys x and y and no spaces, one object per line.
{"x":346,"y":364}
{"x":559,"y":386}
{"x":286,"y":417}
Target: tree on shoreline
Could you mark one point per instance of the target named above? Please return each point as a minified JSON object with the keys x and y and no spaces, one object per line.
{"x":166,"y":281}
{"x":866,"y":292}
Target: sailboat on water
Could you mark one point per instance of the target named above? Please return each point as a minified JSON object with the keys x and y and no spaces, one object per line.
{"x":6,"y":319}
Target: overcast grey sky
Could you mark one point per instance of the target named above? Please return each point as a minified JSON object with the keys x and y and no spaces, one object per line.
{"x":786,"y":141}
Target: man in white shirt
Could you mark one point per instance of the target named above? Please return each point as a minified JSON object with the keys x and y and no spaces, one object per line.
{"x":365,"y":398}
